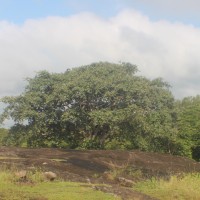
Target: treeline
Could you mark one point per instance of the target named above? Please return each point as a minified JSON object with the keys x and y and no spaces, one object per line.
{"x":103,"y":106}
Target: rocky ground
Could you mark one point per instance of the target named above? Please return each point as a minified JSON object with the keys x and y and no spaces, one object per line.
{"x":119,"y":169}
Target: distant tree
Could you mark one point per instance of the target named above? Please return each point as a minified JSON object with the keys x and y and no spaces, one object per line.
{"x":189,"y":125}
{"x":95,"y":106}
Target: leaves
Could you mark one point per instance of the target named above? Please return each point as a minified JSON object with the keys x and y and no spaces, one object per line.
{"x":93,"y":105}
{"x":188,"y":122}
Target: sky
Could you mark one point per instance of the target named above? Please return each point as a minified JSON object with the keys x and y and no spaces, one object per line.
{"x":161,"y":37}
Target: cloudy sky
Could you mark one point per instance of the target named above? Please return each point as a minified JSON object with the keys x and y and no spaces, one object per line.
{"x":161,"y":37}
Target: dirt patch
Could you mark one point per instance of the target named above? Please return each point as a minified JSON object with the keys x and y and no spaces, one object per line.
{"x":92,"y":166}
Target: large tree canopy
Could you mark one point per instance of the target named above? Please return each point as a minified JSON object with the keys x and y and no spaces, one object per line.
{"x":102,"y":105}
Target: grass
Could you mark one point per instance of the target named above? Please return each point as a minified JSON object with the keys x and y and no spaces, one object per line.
{"x":10,"y":158}
{"x":124,"y":169}
{"x":185,"y":187}
{"x":36,"y":188}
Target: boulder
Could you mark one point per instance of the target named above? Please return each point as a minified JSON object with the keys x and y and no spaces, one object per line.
{"x":51,"y":176}
{"x":21,"y":174}
{"x":125,"y":182}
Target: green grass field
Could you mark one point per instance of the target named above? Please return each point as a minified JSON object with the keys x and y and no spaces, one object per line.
{"x":185,"y":187}
{"x":38,"y":189}
{"x":35,"y":187}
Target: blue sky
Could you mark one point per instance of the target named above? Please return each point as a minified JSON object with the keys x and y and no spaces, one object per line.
{"x":18,"y":11}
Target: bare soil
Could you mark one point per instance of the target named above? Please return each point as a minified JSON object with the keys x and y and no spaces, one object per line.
{"x":97,"y":166}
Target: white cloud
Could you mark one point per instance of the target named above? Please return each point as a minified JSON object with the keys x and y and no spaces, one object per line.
{"x":160,"y":48}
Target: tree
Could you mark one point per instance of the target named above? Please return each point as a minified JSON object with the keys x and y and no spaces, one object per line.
{"x":3,"y":135}
{"x":189,"y":125}
{"x":95,"y":106}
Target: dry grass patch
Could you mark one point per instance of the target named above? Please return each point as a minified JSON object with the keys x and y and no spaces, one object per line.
{"x":184,"y":187}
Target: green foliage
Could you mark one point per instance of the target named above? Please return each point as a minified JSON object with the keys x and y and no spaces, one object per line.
{"x":115,"y":144}
{"x":95,"y":106}
{"x":188,"y":124}
{"x":3,"y":135}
